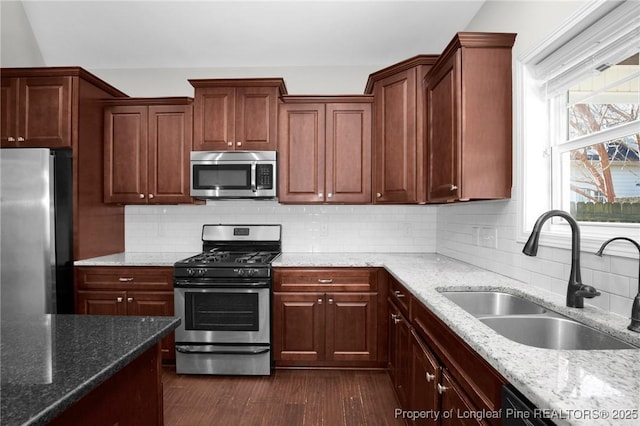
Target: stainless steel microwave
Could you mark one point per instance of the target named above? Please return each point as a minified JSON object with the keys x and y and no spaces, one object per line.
{"x":234,"y":174}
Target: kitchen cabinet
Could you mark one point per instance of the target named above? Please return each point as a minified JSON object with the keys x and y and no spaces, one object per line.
{"x":236,"y":114}
{"x":36,"y":111}
{"x":399,"y":341}
{"x":147,"y":145}
{"x":329,"y":317}
{"x":60,"y":107}
{"x":468,"y":116}
{"x":399,"y":160}
{"x":114,"y":290}
{"x":444,"y":365}
{"x":324,"y":148}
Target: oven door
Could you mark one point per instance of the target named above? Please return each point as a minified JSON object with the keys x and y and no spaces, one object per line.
{"x":223,"y":315}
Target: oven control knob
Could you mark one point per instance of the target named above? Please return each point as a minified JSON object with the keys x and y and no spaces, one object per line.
{"x":191,"y":272}
{"x":202,"y":272}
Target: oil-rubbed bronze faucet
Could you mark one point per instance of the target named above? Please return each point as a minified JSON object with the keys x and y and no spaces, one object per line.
{"x":635,"y":308}
{"x":576,"y":291}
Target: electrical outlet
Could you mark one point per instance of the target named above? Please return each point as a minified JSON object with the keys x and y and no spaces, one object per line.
{"x":488,"y":237}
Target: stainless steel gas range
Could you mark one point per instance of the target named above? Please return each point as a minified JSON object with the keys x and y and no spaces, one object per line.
{"x":223,"y":296}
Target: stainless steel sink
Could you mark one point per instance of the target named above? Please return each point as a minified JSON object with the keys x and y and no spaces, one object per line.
{"x":485,"y":303}
{"x":529,"y":323}
{"x":553,"y":333}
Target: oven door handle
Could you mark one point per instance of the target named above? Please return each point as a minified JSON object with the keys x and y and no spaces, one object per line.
{"x":204,"y":284}
{"x":202,"y":350}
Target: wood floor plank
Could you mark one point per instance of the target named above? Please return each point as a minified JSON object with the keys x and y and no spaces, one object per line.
{"x":287,"y":397}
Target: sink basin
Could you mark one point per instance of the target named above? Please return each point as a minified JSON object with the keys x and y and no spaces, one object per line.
{"x":552,"y":332}
{"x":487,"y":303}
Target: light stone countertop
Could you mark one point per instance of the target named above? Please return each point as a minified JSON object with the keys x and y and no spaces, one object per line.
{"x":599,"y":387}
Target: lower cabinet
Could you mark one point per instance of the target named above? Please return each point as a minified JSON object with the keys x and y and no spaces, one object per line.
{"x":140,"y":291}
{"x":328,"y":317}
{"x":435,"y":373}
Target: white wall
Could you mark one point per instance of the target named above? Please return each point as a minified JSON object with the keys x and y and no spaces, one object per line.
{"x":18,"y":46}
{"x":457,"y":224}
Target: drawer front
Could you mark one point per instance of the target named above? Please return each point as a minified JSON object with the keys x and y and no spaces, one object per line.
{"x":399,"y":295}
{"x":325,"y":279}
{"x":125,"y":278}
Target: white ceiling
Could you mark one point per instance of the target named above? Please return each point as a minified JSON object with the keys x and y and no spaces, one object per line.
{"x":192,"y":34}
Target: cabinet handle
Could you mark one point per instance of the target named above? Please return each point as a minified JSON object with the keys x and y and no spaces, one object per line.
{"x":378,"y":195}
{"x":453,"y":187}
{"x":129,"y":299}
{"x":320,"y":194}
{"x":229,"y":143}
{"x":125,"y":279}
{"x":11,"y":139}
{"x":330,"y":301}
{"x":119,"y":299}
{"x":20,"y":139}
{"x":396,"y":318}
{"x":398,"y":294}
{"x":325,"y":280}
{"x":319,"y":300}
{"x":441,"y":389}
{"x":329,"y":195}
{"x":151,"y":196}
{"x":430,"y":377}
{"x":238,"y":143}
{"x":141,"y":195}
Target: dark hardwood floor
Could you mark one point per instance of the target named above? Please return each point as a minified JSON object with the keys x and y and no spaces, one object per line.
{"x":287,"y":397}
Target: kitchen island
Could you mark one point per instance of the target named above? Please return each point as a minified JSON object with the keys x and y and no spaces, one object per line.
{"x":60,"y":367}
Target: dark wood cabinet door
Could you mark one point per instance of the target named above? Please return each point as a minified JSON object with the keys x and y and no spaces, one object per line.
{"x":170,"y":143}
{"x":399,"y":354}
{"x":125,"y":152}
{"x":214,"y":119}
{"x":396,"y":139}
{"x":256,"y":118}
{"x":9,"y":112}
{"x":352,"y":326}
{"x":301,"y":153}
{"x":443,"y":104}
{"x":453,"y":400}
{"x":348,"y":153}
{"x":425,"y":375}
{"x":94,"y":302}
{"x":44,"y":112}
{"x":298,"y":327}
{"x":154,"y":303}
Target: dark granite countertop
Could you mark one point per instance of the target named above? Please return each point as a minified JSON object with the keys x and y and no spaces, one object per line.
{"x":51,"y":361}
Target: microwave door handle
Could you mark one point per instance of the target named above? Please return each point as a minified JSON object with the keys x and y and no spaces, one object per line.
{"x":253,"y":177}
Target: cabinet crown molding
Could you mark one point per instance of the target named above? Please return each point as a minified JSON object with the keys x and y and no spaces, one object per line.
{"x":240,"y":82}
{"x":398,"y":67}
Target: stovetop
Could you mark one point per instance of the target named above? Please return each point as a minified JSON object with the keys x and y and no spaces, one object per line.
{"x":215,"y":258}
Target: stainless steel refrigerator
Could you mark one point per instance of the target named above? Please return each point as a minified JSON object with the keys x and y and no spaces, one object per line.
{"x":36,"y":230}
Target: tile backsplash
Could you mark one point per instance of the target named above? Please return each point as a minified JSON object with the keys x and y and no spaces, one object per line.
{"x":305,"y":228}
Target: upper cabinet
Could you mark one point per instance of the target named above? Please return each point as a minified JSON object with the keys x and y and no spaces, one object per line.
{"x":146,"y":150}
{"x":468,"y":118}
{"x":36,"y":111}
{"x":236,"y":114}
{"x":398,"y":155}
{"x":324,"y":148}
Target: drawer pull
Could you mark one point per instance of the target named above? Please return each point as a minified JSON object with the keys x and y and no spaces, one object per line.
{"x":319,"y":300}
{"x":129,"y":299}
{"x":325,"y":280}
{"x":119,"y":299}
{"x":430,"y":377}
{"x":125,"y":279}
{"x":441,"y":389}
{"x":398,"y":294}
{"x":331,"y":301}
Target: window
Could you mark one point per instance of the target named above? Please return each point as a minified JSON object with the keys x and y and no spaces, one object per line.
{"x":584,"y":85}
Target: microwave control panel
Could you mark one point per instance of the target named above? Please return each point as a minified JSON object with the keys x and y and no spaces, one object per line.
{"x":264,"y":176}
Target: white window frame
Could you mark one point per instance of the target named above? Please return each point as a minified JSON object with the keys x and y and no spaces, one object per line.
{"x":534,"y":123}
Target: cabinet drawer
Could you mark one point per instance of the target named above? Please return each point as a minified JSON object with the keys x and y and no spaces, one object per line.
{"x":399,"y":295}
{"x":325,"y":279}
{"x":124,"y":278}
{"x":476,"y":377}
